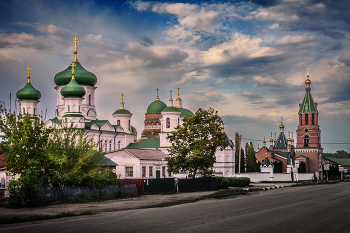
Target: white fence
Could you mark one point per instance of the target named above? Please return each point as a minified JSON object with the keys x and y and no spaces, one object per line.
{"x":266,"y":176}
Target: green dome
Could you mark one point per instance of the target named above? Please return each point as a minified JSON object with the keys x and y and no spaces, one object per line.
{"x":156,"y":107}
{"x":171,"y":109}
{"x":73,"y":89}
{"x":122,"y":111}
{"x":28,"y":92}
{"x":185,"y":112}
{"x":82,"y":76}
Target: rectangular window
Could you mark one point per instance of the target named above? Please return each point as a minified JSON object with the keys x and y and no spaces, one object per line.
{"x":150,"y":171}
{"x":163,"y":171}
{"x":143,"y":171}
{"x":169,"y":174}
{"x":129,"y":171}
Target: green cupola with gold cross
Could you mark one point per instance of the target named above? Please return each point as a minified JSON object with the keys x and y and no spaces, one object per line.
{"x":28,"y":92}
{"x":82,"y":76}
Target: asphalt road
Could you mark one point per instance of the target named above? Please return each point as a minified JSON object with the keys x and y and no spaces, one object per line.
{"x":321,"y":208}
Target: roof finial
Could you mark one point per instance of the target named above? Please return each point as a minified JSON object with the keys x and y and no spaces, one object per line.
{"x":171,"y":95}
{"x":122,"y":99}
{"x":72,"y":65}
{"x":258,"y":147}
{"x":271,"y":140}
{"x":75,"y":41}
{"x":178,"y":93}
{"x":28,"y":69}
{"x":292,"y":138}
{"x":223,"y":127}
{"x":281,"y":125}
{"x":264,"y":142}
{"x":157,"y":95}
{"x":275,"y":138}
{"x":308,"y":81}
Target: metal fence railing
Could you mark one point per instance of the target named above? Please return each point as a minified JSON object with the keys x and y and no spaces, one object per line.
{"x":48,"y":194}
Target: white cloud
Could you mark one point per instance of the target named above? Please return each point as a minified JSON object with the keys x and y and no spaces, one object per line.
{"x":286,"y":40}
{"x":274,"y":26}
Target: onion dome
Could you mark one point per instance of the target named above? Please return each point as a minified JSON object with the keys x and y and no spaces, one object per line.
{"x":156,"y":106}
{"x":28,"y":92}
{"x":275,"y":138}
{"x":171,"y":109}
{"x":73,"y":89}
{"x":271,"y":140}
{"x":185,"y":112}
{"x":122,"y":110}
{"x":281,"y":125}
{"x":82,"y":76}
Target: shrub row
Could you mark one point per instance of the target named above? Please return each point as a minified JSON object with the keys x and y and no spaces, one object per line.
{"x":225,"y":182}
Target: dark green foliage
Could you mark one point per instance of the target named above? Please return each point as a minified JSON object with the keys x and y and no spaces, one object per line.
{"x":237,"y":155}
{"x":277,"y":167}
{"x":194,"y":143}
{"x":41,"y":157}
{"x":302,"y":167}
{"x":252,"y":166}
{"x":225,"y":182}
{"x":338,"y":154}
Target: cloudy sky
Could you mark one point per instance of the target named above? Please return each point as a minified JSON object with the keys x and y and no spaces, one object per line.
{"x":246,"y":59}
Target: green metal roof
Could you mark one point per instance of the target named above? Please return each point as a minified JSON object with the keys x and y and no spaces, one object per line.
{"x":340,"y":161}
{"x":267,"y":162}
{"x":170,"y":109}
{"x":185,"y":112}
{"x":122,"y":111}
{"x":56,"y":121}
{"x":153,"y":142}
{"x":82,"y":76}
{"x":28,"y":92}
{"x":308,"y":105}
{"x":73,"y":115}
{"x":156,"y":107}
{"x":73,"y":89}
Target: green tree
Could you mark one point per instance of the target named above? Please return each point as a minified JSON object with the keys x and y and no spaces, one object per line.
{"x":194,"y":143}
{"x":251,"y":164}
{"x":237,"y":154}
{"x":41,"y":157}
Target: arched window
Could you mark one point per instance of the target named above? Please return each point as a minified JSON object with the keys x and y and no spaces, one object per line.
{"x":34,"y":111}
{"x":106,"y":145}
{"x":306,"y":141}
{"x":118,"y":122}
{"x":157,"y":127}
{"x":313,"y":119}
{"x":68,"y":108}
{"x":168,"y":123}
{"x":306,"y":119}
{"x":110,"y":145}
{"x":101,"y":144}
{"x":118,"y":145}
{"x":178,"y":121}
{"x":152,"y":125}
{"x":24,"y":111}
{"x":129,"y":126}
{"x":147,"y":125}
{"x":90,"y":99}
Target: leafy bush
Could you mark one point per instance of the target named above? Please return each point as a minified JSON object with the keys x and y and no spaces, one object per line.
{"x":225,"y":182}
{"x":22,"y":191}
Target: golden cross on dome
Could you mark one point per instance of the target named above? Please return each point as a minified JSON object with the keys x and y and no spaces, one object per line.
{"x":122,"y":99}
{"x":281,"y":119}
{"x":157,"y":95}
{"x":75,"y":41}
{"x":171,"y":95}
{"x":307,"y":72}
{"x":28,"y":69}
{"x":178,"y":92}
{"x":72,"y":65}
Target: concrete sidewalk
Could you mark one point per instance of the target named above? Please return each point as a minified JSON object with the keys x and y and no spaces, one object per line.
{"x":118,"y":205}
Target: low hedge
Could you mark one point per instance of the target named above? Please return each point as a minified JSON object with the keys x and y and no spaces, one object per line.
{"x":225,"y":182}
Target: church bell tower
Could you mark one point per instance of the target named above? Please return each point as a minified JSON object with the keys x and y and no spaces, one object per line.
{"x":308,"y":146}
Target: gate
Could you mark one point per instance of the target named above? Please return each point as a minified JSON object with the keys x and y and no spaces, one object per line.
{"x":152,"y":186}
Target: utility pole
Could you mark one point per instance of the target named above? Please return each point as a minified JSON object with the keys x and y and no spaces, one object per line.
{"x":239,"y":153}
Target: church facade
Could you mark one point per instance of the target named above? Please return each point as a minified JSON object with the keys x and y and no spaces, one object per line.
{"x":307,"y":148}
{"x":75,"y":87}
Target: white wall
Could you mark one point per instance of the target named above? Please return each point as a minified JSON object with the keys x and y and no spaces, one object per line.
{"x":265,"y":176}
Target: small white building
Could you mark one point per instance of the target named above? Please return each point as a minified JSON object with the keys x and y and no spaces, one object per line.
{"x":140,"y":163}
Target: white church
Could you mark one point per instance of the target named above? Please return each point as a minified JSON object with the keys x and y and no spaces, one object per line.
{"x":136,"y":158}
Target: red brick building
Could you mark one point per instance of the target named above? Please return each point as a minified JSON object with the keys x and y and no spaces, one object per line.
{"x":308,"y":147}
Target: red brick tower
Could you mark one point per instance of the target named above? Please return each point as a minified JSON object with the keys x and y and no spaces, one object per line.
{"x":308,"y":147}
